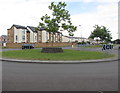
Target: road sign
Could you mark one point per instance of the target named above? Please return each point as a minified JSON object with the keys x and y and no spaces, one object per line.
{"x":107,"y":47}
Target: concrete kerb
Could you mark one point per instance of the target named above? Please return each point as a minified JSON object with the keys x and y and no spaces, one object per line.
{"x":58,"y":62}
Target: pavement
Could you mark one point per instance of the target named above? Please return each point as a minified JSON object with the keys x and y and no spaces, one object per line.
{"x":113,"y":51}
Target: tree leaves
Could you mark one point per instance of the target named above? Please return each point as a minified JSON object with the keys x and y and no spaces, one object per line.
{"x":102,"y":32}
{"x":60,"y":19}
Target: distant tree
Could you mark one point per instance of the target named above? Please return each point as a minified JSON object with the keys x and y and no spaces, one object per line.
{"x":59,"y":21}
{"x":102,"y":32}
{"x":117,"y":41}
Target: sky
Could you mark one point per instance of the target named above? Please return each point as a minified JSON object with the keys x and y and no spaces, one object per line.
{"x":84,"y":14}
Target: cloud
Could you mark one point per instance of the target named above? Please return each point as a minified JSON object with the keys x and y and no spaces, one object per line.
{"x":89,"y":1}
{"x":105,"y":15}
{"x":21,"y":12}
{"x":28,"y":12}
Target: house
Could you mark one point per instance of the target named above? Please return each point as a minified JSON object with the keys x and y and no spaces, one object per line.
{"x":80,"y":39}
{"x":3,"y":40}
{"x":65,"y":38}
{"x":17,"y":34}
{"x":29,"y":34}
{"x":95,"y":41}
{"x":73,"y":39}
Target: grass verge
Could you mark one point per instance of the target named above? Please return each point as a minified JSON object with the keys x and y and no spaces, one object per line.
{"x":36,"y":54}
{"x":91,"y":46}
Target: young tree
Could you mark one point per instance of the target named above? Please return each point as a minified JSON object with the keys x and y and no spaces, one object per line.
{"x":102,"y":32}
{"x":59,"y":21}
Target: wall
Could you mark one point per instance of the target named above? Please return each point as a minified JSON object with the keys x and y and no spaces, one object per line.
{"x":39,"y":36}
{"x":19,"y":33}
{"x":65,"y":39}
{"x":10,"y":34}
{"x":32,"y":36}
{"x":19,"y":45}
{"x":44,"y":35}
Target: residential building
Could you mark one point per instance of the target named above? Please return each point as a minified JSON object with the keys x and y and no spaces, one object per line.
{"x":80,"y":39}
{"x":66,"y":39}
{"x":29,"y":34}
{"x":17,"y":34}
{"x":3,"y":40}
{"x":95,"y":41}
{"x":73,"y":39}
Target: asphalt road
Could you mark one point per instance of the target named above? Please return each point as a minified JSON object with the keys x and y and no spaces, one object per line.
{"x":60,"y":77}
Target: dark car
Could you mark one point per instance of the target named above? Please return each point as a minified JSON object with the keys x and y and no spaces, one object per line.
{"x":27,"y":46}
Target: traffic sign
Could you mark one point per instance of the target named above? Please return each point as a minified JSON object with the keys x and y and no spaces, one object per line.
{"x":107,"y":47}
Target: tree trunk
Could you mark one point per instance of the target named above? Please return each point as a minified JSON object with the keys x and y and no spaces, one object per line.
{"x":52,"y":39}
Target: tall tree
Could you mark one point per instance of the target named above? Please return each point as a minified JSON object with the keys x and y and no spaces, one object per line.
{"x":59,"y":21}
{"x":102,"y":32}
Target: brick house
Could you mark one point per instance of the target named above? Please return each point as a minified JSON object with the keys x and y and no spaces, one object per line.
{"x":29,"y":34}
{"x":3,"y":40}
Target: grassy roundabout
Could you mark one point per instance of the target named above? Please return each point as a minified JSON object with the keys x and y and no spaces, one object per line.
{"x":92,"y":46}
{"x":35,"y":54}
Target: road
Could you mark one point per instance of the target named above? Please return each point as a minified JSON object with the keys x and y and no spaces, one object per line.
{"x":60,"y":77}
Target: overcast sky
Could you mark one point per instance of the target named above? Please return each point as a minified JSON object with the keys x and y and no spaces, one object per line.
{"x":86,"y":13}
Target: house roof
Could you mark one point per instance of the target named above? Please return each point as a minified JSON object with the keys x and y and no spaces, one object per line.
{"x":4,"y":36}
{"x":42,"y":29}
{"x":19,"y":26}
{"x":75,"y":37}
{"x":32,"y":28}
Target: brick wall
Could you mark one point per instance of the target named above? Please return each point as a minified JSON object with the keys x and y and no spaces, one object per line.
{"x":19,"y":45}
{"x":10,"y":33}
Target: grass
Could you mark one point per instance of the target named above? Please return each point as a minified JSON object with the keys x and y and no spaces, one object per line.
{"x":36,"y":54}
{"x":94,"y":46}
{"x":91,"y":46}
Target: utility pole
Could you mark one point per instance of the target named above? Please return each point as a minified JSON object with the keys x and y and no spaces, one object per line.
{"x":81,"y":33}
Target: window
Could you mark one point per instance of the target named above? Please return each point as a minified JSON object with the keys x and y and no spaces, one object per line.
{"x":35,"y":37}
{"x":16,"y":38}
{"x":23,"y":32}
{"x":23,"y":38}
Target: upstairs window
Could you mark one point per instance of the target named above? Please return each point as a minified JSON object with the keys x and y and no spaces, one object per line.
{"x":35,"y":37}
{"x":23,"y":38}
{"x":16,"y":38}
{"x":23,"y":32}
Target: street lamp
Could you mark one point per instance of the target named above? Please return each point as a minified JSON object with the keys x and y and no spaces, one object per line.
{"x":81,"y":33}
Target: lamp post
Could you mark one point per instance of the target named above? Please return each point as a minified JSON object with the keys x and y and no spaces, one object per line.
{"x":81,"y":33}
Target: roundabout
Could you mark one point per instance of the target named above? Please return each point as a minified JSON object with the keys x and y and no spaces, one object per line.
{"x":70,"y":55}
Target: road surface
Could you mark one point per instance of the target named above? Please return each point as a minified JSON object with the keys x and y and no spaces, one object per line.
{"x":60,"y":77}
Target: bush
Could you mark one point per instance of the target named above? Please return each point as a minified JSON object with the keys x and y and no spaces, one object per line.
{"x":103,"y":43}
{"x":117,"y":41}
